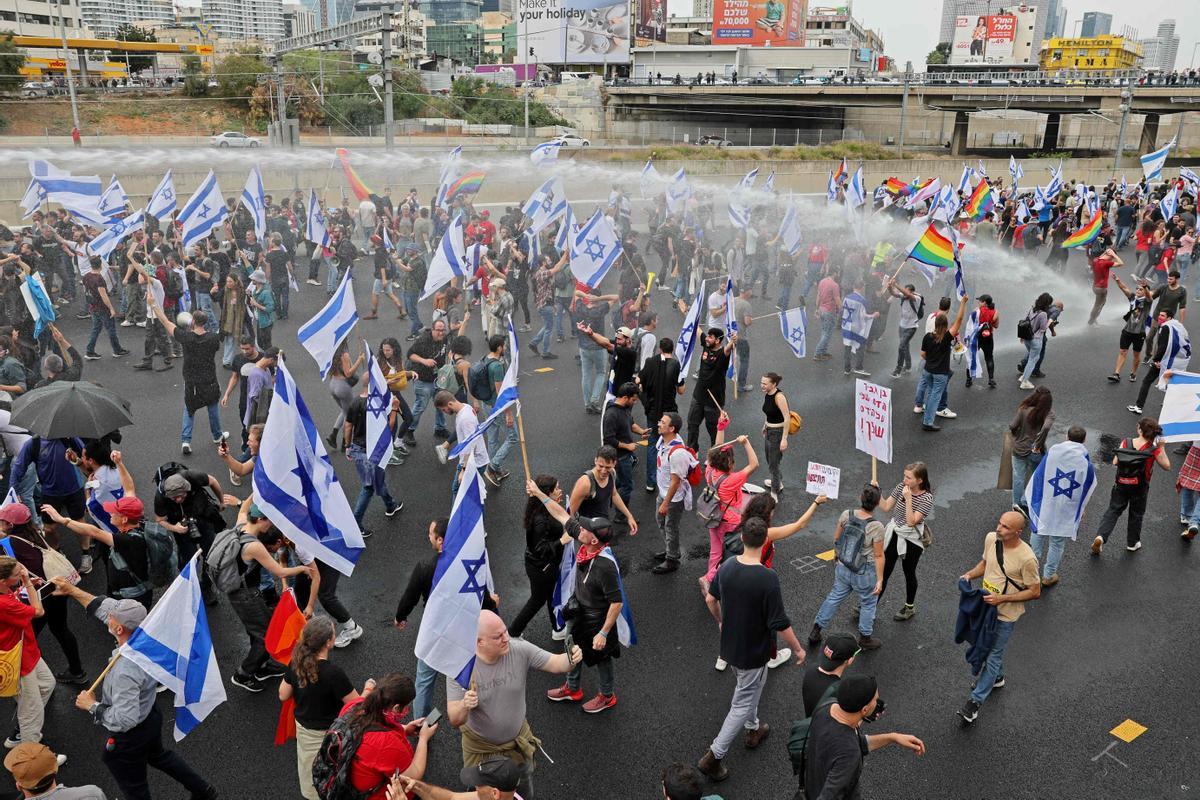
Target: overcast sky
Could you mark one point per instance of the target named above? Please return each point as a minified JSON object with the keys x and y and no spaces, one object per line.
{"x":910,"y":27}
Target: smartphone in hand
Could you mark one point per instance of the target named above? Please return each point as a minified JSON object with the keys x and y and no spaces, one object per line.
{"x":433,"y":718}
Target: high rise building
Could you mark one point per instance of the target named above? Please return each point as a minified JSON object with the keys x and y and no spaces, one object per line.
{"x":702,"y":8}
{"x":951,"y":9}
{"x":245,"y":19}
{"x":104,"y":16}
{"x":1095,"y":23}
{"x":1162,"y":49}
{"x":446,"y":12}
{"x":1056,"y":18}
{"x":40,"y":18}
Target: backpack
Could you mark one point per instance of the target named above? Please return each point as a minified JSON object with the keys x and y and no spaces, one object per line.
{"x":709,"y":506}
{"x":174,"y":285}
{"x":261,"y":404}
{"x":446,"y":373}
{"x":224,"y":560}
{"x":918,"y":308}
{"x":562,"y":279}
{"x":162,"y":554}
{"x":1025,"y":327}
{"x":797,"y":743}
{"x":732,"y":545}
{"x":850,"y":548}
{"x":695,"y":472}
{"x":331,"y":766}
{"x":1131,"y":465}
{"x":479,"y":382}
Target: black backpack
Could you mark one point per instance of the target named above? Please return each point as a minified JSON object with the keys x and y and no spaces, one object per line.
{"x":918,"y":308}
{"x":797,"y":743}
{"x":174,"y":286}
{"x":331,"y":767}
{"x":479,"y":382}
{"x":1131,"y":465}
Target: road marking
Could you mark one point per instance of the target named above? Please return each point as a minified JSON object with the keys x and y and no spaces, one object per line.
{"x":544,"y":369}
{"x":1128,"y":730}
{"x":828,"y":555}
{"x":807,"y":564}
{"x":1105,"y":752}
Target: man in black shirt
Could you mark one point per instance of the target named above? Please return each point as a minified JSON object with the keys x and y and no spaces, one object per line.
{"x":837,"y":654}
{"x":836,"y":747}
{"x":618,"y":429}
{"x":200,"y":386}
{"x":372,"y":476}
{"x":279,"y":272}
{"x":745,"y":600}
{"x":623,"y":363}
{"x":425,"y":356}
{"x":660,"y":384}
{"x":188,"y":504}
{"x":708,"y":395}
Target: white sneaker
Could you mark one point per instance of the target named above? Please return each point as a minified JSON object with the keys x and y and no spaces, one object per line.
{"x":1133,"y":548}
{"x":1026,"y":385}
{"x":127,"y":323}
{"x":780,"y":658}
{"x":141,"y":324}
{"x":312,"y":282}
{"x":558,"y":636}
{"x":443,"y":452}
{"x":946,"y":413}
{"x":186,"y":448}
{"x":720,"y":665}
{"x":234,"y":478}
{"x":918,"y":409}
{"x":348,"y":634}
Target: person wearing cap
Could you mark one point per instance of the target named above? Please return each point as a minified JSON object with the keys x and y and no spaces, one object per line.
{"x":820,"y":679}
{"x":34,"y":680}
{"x":745,"y":600}
{"x":34,"y":768}
{"x":260,"y":299}
{"x":189,"y":504}
{"x":491,"y":713}
{"x":493,"y":779}
{"x":125,"y":707}
{"x":278,"y":268}
{"x":412,"y":264}
{"x":53,"y":461}
{"x":836,"y":745}
{"x":384,"y":263}
{"x":708,"y":393}
{"x":599,"y":599}
{"x":200,"y":386}
{"x":619,"y":431}
{"x":624,"y":356}
{"x":500,"y":306}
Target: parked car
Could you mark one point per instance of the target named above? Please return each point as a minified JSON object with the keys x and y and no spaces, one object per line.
{"x":233,"y":139}
{"x":712,"y":140}
{"x":572,"y":140}
{"x":36,"y":89}
{"x":762,"y":81}
{"x":807,"y":80}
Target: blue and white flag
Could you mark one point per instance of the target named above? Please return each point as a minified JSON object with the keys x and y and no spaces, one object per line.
{"x":532,"y":245}
{"x":1060,"y":489}
{"x":564,"y":587}
{"x":1039,"y":198}
{"x":678,"y":192}
{"x":650,"y":183}
{"x":960,"y":285}
{"x":831,"y":188}
{"x":769,"y":183}
{"x":685,"y":344}
{"x":982,"y":170}
{"x":739,"y":216}
{"x":948,"y":205}
{"x":1054,"y":186}
{"x":626,"y":633}
{"x":1022,"y":211}
{"x":1124,"y":189}
{"x":461,"y":580}
{"x":254,"y":199}
{"x":547,"y":203}
{"x":1014,"y":169}
{"x":1152,"y":163}
{"x":731,"y":325}
{"x":79,"y":194}
{"x":1179,"y":350}
{"x":1169,"y":204}
{"x":505,"y":399}
{"x":794,"y":324}
{"x":447,"y":177}
{"x":856,"y":192}
{"x":162,"y":202}
{"x":747,"y":182}
{"x":544,"y":153}
{"x":173,"y":645}
{"x":114,"y":199}
{"x":1191,"y":181}
{"x":594,"y":249}
{"x":449,"y":259}
{"x":315,"y":230}
{"x":1180,"y":416}
{"x":388,"y":247}
{"x":970,"y":338}
{"x":118,"y":231}
{"x":322,"y":334}
{"x":37,"y":300}
{"x":964,"y":181}
{"x":379,"y":408}
{"x":789,"y":230}
{"x":856,"y":325}
{"x":203,"y":212}
{"x":33,"y":198}
{"x":295,"y":484}
{"x":566,"y":229}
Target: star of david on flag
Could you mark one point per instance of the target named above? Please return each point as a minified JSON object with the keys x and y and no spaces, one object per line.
{"x":794,"y":324}
{"x":594,"y":249}
{"x":203,"y":212}
{"x":1059,"y":490}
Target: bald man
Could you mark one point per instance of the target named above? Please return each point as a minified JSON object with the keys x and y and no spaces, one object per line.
{"x":491,"y":714}
{"x":1010,"y":577}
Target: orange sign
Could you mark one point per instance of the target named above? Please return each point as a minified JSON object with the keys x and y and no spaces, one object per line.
{"x":759,"y":23}
{"x":204,"y":49}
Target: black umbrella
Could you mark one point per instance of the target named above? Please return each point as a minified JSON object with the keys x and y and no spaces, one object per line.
{"x":70,"y":408}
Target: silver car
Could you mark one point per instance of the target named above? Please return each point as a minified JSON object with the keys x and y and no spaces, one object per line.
{"x":233,"y":139}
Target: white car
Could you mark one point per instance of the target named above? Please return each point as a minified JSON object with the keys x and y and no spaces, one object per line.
{"x":233,"y":139}
{"x":572,"y":140}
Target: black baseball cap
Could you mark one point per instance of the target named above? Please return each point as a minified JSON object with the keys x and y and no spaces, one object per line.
{"x":600,"y":527}
{"x":854,"y":693}
{"x":498,"y":773}
{"x":837,"y":650}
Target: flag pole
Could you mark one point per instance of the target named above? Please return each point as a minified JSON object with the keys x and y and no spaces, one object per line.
{"x":714,"y":399}
{"x":765,"y":316}
{"x":100,"y":677}
{"x":874,"y":470}
{"x":524,"y":452}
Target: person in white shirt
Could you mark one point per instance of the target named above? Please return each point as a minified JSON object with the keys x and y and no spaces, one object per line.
{"x":465,"y":424}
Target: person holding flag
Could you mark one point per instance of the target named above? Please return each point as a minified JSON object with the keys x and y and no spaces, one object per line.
{"x":1056,"y":497}
{"x":372,"y":402}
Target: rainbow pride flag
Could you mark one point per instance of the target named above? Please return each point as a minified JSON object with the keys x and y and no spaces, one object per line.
{"x":469,"y":183}
{"x":934,"y":249}
{"x":980,"y":202}
{"x":359,"y":188}
{"x":898,"y":187}
{"x":1087,"y":233}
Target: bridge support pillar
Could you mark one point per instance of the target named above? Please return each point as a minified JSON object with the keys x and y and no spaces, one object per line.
{"x":1149,"y":134}
{"x":1050,"y":139}
{"x":958,"y":136}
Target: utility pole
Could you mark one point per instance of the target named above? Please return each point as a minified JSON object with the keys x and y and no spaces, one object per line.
{"x":904,"y":104}
{"x":285,"y":139}
{"x":1126,"y":104}
{"x":389,"y":139}
{"x":525,"y":51}
{"x":62,"y":29}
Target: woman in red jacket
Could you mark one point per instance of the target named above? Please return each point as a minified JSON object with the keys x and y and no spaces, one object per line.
{"x":385,"y":748}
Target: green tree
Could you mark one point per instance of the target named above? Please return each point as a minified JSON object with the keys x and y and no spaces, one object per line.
{"x":237,"y":76}
{"x":939,"y":54}
{"x":11,"y":61}
{"x":132,"y":33}
{"x":195,"y":82}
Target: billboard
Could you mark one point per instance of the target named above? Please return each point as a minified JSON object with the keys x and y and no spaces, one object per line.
{"x":988,"y":39}
{"x":652,"y":20}
{"x":575,"y":31}
{"x":759,"y":23}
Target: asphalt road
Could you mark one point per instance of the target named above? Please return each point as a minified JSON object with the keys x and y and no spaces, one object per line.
{"x":1113,"y":642}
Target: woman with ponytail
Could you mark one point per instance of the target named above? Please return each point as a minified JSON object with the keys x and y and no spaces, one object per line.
{"x":385,"y":749}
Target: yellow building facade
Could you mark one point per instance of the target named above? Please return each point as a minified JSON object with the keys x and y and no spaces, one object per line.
{"x":1091,"y":53}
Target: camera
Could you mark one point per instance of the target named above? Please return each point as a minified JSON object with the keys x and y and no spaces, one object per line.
{"x":880,"y":709}
{"x":193,"y":530}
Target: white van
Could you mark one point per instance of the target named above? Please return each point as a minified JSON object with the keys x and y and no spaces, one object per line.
{"x":576,"y":77}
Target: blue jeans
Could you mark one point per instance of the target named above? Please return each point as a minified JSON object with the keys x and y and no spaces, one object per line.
{"x":829,"y":321}
{"x":743,"y":361}
{"x":1022,"y":471}
{"x":993,"y":668}
{"x":937,"y":392}
{"x":562,"y":309}
{"x":102,"y":320}
{"x":1055,"y":545}
{"x":652,"y":457}
{"x":785,"y":294}
{"x":214,"y":422}
{"x":1189,"y":506}
{"x":923,"y":388}
{"x":425,"y":682}
{"x":425,"y":390}
{"x":545,"y":335}
{"x":500,"y":437}
{"x":374,"y":482}
{"x":844,"y":583}
{"x":332,"y":278}
{"x":594,"y":368}
{"x":1123,"y":232}
{"x":414,"y":313}
{"x":625,"y":476}
{"x":1034,"y":352}
{"x":203,"y":301}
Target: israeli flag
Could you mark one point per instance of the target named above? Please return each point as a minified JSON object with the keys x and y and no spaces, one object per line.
{"x":173,"y":645}
{"x":1124,"y":187}
{"x":769,"y":183}
{"x":203,"y":212}
{"x":1180,"y":416}
{"x":295,"y":484}
{"x":462,"y":578}
{"x":982,"y":170}
{"x":650,"y":183}
{"x":34,"y":196}
{"x":594,"y":249}
{"x":37,"y":300}
{"x":1039,"y":198}
{"x":1060,"y":489}
{"x":162,"y":202}
{"x":794,"y":324}
{"x":1152,"y":163}
{"x":739,"y":216}
{"x":948,"y":206}
{"x":1179,"y":350}
{"x":970,"y":337}
{"x":79,"y":194}
{"x":508,"y":396}
{"x":856,"y":192}
{"x":1169,"y":204}
{"x":831,"y":188}
{"x":322,"y":334}
{"x":856,"y":325}
{"x":747,"y":182}
{"x":685,"y":344}
{"x":546,"y":204}
{"x":1191,"y":181}
{"x":1054,"y":186}
{"x":379,"y":408}
{"x":960,"y":285}
{"x":253,"y":198}
{"x":315,"y":231}
{"x":1022,"y":211}
{"x":114,"y":199}
{"x":532,"y":245}
{"x":1014,"y":169}
{"x":449,"y":170}
{"x":449,"y":259}
{"x":566,"y":228}
{"x":626,"y":633}
{"x":964,"y":182}
{"x":789,"y":230}
{"x":387,"y":241}
{"x":544,"y":153}
{"x":564,"y":587}
{"x":678,"y":191}
{"x":118,"y":231}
